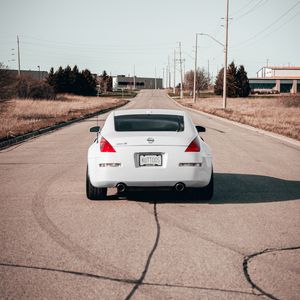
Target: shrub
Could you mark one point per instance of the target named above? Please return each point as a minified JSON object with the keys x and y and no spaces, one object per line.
{"x":26,"y":87}
{"x":6,"y":82}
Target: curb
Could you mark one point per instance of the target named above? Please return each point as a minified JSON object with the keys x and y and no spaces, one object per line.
{"x":22,"y":138}
{"x":277,"y":136}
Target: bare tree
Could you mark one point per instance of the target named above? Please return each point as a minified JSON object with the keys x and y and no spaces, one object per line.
{"x":202,"y":80}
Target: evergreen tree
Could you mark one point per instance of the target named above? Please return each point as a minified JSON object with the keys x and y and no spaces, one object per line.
{"x":75,"y":80}
{"x":50,"y":79}
{"x":232,"y":85}
{"x":237,"y":82}
{"x":58,"y":80}
{"x":218,"y":88}
{"x":243,"y":82}
{"x":67,"y":80}
{"x":89,"y":83}
{"x":72,"y":81}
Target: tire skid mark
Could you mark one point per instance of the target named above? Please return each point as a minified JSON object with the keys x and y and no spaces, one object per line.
{"x":65,"y":242}
{"x":57,"y":235}
{"x":247,"y":260}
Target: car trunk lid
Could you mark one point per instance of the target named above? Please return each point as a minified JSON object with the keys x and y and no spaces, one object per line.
{"x":123,"y":139}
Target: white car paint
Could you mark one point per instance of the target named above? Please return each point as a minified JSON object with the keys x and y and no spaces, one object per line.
{"x":107,"y":169}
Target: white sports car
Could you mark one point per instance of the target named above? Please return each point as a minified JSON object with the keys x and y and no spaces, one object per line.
{"x":149,"y":148}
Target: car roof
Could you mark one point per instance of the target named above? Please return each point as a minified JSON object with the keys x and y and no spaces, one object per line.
{"x":149,"y":112}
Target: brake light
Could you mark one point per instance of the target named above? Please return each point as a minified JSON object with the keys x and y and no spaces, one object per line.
{"x":194,"y":146}
{"x":105,"y":146}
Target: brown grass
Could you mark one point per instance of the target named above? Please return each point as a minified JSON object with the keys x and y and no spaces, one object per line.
{"x":19,"y":116}
{"x":276,"y":114}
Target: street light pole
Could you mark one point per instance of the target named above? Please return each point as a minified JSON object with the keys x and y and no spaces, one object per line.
{"x":180,"y":61}
{"x":19,"y":64}
{"x":225,"y":58}
{"x":195,"y":70}
{"x":174,"y":74}
{"x":225,"y":77}
{"x":169,"y":85}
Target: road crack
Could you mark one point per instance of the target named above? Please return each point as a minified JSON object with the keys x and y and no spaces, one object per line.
{"x":247,"y":260}
{"x":140,"y":281}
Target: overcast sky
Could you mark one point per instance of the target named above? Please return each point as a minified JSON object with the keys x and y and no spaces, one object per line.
{"x":116,"y":35}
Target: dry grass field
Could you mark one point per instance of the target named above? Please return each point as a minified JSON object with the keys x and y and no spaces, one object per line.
{"x":19,"y":116}
{"x":276,"y":114}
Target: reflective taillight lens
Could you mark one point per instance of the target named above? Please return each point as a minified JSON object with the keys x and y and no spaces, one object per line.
{"x":194,"y":146}
{"x":105,"y":146}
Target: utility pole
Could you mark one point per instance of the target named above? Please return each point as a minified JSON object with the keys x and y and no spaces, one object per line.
{"x":195,"y":69}
{"x":174,"y":84}
{"x":180,"y":61}
{"x":208,"y":68}
{"x":39,"y":72}
{"x":167,"y":73}
{"x":19,"y":64}
{"x":225,"y":58}
{"x":163,"y":77}
{"x":169,"y":85}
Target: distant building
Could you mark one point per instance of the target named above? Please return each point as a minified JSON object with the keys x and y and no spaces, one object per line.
{"x":38,"y":75}
{"x":276,"y":79}
{"x":122,"y":82}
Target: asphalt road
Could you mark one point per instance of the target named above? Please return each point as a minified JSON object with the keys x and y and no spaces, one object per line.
{"x":244,"y":244}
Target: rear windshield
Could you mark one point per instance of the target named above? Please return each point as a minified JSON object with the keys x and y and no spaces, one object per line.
{"x":149,"y":123}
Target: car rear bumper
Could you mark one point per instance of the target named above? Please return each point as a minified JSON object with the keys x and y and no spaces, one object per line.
{"x":164,"y":176}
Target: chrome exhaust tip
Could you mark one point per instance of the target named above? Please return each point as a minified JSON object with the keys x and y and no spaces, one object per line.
{"x":179,"y":187}
{"x":121,"y":187}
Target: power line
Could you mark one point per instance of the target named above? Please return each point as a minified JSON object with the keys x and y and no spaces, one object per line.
{"x":269,"y":26}
{"x":256,"y":6}
{"x":79,"y":45}
{"x":243,"y":7}
{"x":282,"y":25}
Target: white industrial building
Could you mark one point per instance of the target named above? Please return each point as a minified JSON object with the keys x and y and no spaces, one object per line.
{"x":267,"y":72}
{"x":279,"y":79}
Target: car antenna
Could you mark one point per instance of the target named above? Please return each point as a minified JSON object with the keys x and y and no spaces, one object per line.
{"x":98,"y":131}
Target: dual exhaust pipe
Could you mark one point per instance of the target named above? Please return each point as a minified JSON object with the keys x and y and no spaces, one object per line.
{"x":179,"y":187}
{"x":122,"y":187}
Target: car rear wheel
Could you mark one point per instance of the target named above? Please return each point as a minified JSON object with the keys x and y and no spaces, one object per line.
{"x":94,"y":193}
{"x":207,"y":192}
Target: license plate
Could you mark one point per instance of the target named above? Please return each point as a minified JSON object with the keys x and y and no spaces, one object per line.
{"x":150,"y":160}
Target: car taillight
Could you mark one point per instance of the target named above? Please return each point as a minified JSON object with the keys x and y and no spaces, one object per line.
{"x":105,"y":146}
{"x":194,"y":146}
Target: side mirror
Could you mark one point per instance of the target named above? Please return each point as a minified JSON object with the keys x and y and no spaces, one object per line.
{"x":95,"y":129}
{"x":200,"y":129}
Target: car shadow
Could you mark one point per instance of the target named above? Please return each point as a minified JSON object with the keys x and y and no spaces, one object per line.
{"x":230,"y":188}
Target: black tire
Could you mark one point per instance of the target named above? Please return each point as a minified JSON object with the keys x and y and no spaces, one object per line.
{"x":94,"y":193}
{"x":207,"y":192}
